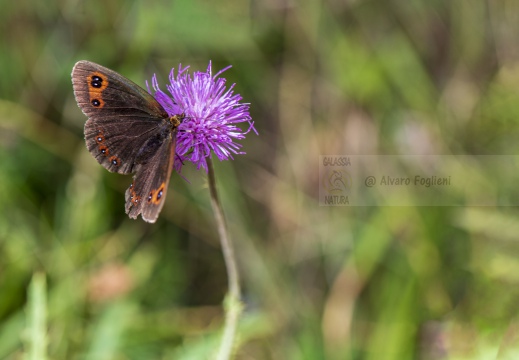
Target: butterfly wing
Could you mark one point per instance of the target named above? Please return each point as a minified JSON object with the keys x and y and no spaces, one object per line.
{"x":147,"y":193}
{"x":122,"y":116}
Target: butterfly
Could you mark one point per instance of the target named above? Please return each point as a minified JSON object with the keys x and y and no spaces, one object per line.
{"x":128,"y":132}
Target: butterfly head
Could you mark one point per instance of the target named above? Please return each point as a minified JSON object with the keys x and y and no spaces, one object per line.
{"x":176,"y":120}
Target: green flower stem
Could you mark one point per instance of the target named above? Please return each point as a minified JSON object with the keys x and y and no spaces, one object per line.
{"x":233,"y":305}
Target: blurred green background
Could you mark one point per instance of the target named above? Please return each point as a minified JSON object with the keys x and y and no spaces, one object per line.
{"x":322,"y":77}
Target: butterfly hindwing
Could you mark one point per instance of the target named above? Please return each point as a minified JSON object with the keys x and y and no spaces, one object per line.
{"x":147,"y":193}
{"x":122,"y":116}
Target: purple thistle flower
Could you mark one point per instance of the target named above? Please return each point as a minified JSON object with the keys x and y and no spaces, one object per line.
{"x":211,"y":114}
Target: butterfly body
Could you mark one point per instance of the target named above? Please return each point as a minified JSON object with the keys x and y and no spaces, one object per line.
{"x":127,"y":132}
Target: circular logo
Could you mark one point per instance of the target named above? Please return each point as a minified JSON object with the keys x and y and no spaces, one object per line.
{"x":336,"y":181}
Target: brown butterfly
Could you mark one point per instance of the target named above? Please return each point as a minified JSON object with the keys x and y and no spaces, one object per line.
{"x":128,"y":132}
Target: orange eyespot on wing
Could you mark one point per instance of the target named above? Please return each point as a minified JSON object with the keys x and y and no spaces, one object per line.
{"x":155,"y":195}
{"x":97,"y":82}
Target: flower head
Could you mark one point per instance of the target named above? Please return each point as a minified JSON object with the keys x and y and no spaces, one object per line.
{"x":211,"y":114}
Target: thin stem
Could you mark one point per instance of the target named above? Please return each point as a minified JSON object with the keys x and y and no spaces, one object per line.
{"x":233,"y":305}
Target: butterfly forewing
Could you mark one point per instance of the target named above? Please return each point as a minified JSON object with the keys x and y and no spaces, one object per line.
{"x":121,"y":115}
